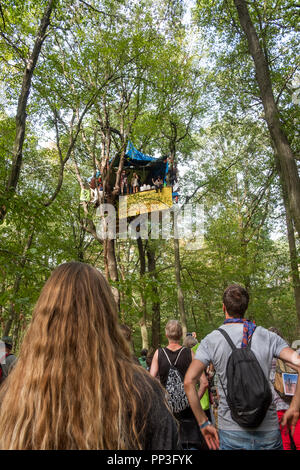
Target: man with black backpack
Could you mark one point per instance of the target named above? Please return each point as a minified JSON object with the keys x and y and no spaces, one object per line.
{"x":241,"y":354}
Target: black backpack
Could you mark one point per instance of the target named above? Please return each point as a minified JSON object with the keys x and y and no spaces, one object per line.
{"x":176,"y":396}
{"x":248,"y":391}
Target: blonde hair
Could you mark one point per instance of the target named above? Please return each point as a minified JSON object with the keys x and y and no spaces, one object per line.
{"x":173,"y":330}
{"x":74,"y":385}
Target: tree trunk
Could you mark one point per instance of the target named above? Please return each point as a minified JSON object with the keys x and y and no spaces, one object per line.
{"x":143,"y":326}
{"x":155,"y":303}
{"x":290,"y":174}
{"x":17,"y":283}
{"x":177,"y":266}
{"x":179,"y":287}
{"x":111,"y":268}
{"x":292,"y":248}
{"x":143,"y":319}
{"x":22,"y":105}
{"x":294,"y":262}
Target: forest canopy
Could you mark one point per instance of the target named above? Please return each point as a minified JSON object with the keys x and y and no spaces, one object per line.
{"x":212,"y":89}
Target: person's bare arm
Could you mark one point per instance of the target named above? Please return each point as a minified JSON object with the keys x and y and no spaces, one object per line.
{"x":203,"y":385}
{"x":203,"y":382}
{"x":192,"y":376}
{"x":291,"y":358}
{"x":154,"y":365}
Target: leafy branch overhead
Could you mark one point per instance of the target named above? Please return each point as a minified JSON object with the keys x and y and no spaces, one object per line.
{"x":212,"y":87}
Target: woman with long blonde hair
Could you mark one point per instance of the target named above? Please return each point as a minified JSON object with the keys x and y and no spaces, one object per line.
{"x":75,"y":385}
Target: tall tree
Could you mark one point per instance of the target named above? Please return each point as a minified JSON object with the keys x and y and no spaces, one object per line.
{"x":288,"y":164}
{"x":155,"y":329}
{"x":143,"y":319}
{"x":292,"y":246}
{"x":21,"y":115}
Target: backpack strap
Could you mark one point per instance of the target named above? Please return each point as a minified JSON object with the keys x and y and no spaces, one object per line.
{"x":250,"y":340}
{"x":227,"y":337}
{"x":163,"y":349}
{"x":230,"y":342}
{"x":178,"y":355}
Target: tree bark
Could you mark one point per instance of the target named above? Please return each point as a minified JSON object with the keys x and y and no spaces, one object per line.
{"x":143,"y":318}
{"x":180,"y":296}
{"x":294,"y":261}
{"x":292,"y":248}
{"x":111,"y":267}
{"x":177,"y":266}
{"x":17,"y":283}
{"x":21,"y":109}
{"x":290,"y":174}
{"x":156,"y":341}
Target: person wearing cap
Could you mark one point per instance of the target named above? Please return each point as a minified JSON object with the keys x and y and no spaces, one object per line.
{"x":7,"y":359}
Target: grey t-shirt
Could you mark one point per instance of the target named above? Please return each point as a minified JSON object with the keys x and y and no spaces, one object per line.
{"x":215,"y":349}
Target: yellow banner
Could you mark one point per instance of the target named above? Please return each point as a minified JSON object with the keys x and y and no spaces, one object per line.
{"x":145,"y":202}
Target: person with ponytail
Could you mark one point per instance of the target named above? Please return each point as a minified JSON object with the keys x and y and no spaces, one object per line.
{"x":75,"y":384}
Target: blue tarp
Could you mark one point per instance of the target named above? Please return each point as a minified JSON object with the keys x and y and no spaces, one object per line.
{"x":134,"y":154}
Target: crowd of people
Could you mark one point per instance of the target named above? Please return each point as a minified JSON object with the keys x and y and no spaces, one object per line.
{"x":77,"y":383}
{"x":131,"y":182}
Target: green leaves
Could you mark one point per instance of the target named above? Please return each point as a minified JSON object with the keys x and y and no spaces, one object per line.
{"x":119,"y":70}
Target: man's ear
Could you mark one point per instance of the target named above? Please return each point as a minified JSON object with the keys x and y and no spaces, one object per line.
{"x":224,"y":308}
